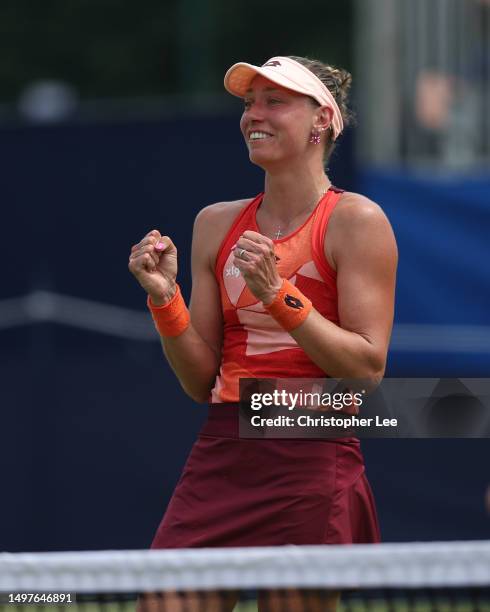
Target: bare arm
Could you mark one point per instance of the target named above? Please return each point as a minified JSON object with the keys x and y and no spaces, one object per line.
{"x":363,"y":251}
{"x":195,"y":355}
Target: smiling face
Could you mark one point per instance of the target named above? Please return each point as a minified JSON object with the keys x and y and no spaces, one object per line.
{"x":276,"y":123}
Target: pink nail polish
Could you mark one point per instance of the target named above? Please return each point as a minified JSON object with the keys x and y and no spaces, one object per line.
{"x":159,"y":245}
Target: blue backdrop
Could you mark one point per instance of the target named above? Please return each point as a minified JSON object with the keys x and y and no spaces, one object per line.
{"x":441,"y":225}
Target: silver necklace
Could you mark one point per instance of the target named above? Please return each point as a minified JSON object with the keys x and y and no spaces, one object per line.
{"x":279,"y":231}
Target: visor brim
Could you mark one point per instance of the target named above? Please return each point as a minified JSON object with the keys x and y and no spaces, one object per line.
{"x":240,"y":76}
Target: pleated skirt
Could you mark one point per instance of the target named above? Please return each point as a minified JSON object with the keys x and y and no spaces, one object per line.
{"x":268,"y":492}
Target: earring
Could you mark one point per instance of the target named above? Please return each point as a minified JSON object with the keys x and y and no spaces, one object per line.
{"x":315,"y":136}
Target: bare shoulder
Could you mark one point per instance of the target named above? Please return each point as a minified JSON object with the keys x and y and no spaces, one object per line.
{"x":355,"y":220}
{"x":356,"y":208}
{"x":212,"y":224}
{"x":220,"y":213}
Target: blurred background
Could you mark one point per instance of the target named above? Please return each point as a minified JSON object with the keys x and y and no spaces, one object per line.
{"x":113,"y":121}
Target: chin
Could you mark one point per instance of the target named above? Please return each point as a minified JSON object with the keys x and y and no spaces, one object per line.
{"x":258,"y":160}
{"x":262,"y":159}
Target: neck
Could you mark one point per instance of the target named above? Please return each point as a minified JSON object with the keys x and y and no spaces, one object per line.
{"x":292,"y":191}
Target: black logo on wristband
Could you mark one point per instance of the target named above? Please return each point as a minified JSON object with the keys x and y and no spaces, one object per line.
{"x":292,"y":301}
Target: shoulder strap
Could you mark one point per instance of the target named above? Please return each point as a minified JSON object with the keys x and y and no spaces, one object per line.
{"x":229,"y":239}
{"x":320,"y":224}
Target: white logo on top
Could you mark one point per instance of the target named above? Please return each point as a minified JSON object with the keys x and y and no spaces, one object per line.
{"x":232,"y":271}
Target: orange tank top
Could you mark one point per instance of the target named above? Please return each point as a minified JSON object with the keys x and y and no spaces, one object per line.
{"x":254,"y":345}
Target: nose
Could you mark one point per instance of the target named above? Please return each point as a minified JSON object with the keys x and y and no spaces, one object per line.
{"x":255,"y":112}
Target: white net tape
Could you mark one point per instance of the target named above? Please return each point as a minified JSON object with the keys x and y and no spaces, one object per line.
{"x":438,"y":564}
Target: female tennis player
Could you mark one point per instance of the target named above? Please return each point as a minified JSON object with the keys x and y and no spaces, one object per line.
{"x":297,"y":282}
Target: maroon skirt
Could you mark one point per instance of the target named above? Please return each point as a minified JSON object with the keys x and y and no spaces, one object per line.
{"x":256,"y":492}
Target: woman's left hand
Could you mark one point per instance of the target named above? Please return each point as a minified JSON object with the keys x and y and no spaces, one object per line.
{"x":256,"y":260}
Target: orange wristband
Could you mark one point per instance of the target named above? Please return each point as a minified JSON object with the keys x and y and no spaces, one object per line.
{"x":290,"y":307}
{"x":171,"y":319}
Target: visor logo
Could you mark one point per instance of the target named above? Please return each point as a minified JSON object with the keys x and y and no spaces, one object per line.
{"x":274,"y":64}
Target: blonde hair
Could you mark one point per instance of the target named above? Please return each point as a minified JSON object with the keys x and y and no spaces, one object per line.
{"x":338,"y":82}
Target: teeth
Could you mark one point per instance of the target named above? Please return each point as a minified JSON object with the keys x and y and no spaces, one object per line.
{"x":258,"y":135}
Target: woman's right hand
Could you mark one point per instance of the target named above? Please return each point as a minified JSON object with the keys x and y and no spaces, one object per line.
{"x":153,"y":262}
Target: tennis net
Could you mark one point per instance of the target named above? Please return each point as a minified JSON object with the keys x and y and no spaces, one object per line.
{"x":418,"y":577}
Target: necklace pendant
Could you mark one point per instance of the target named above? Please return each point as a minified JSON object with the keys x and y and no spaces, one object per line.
{"x":278,"y":233}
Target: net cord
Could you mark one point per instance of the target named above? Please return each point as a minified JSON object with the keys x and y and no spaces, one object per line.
{"x":415,"y":565}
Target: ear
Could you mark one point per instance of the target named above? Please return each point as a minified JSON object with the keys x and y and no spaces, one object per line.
{"x":323,"y":118}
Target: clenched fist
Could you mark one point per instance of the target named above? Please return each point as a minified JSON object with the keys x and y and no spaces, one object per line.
{"x":153,"y":262}
{"x":256,"y":260}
